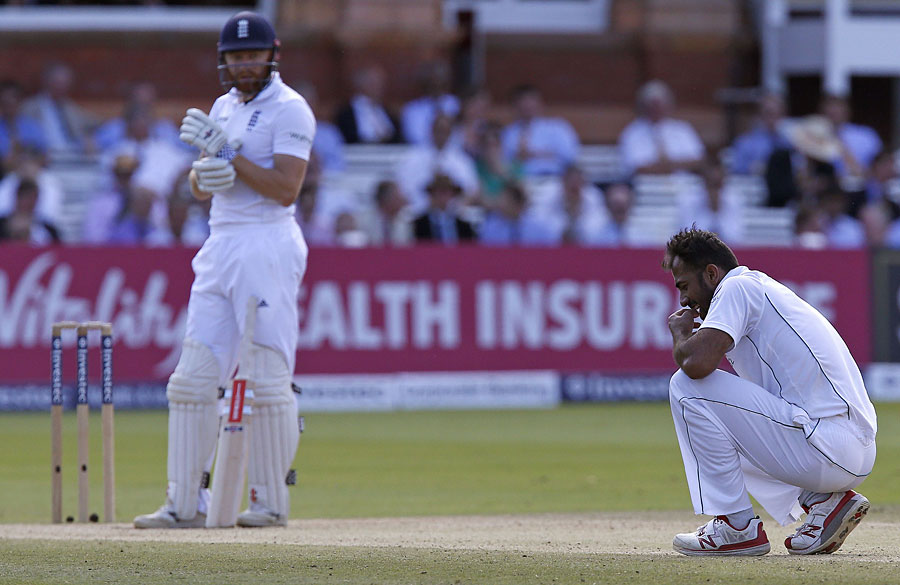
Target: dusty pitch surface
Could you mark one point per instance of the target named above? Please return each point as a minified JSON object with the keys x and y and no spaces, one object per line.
{"x":876,"y":539}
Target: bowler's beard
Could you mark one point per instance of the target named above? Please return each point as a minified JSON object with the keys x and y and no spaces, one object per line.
{"x":704,"y":301}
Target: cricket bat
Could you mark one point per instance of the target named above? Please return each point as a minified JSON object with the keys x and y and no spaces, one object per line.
{"x":233,"y":446}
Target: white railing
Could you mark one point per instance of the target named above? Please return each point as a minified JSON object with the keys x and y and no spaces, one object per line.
{"x":834,"y":38}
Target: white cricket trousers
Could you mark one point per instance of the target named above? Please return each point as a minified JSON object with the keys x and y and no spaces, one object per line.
{"x":265,"y":260}
{"x":736,"y":437}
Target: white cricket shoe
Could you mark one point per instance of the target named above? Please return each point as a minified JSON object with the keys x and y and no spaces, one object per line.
{"x":165,"y":518}
{"x":828,"y":523}
{"x":258,"y":516}
{"x":717,"y":538}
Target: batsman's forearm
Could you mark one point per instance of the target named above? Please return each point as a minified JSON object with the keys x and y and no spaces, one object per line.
{"x":270,"y":183}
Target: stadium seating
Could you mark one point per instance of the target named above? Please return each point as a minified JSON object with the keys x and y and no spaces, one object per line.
{"x":654,"y":215}
{"x":81,"y":178}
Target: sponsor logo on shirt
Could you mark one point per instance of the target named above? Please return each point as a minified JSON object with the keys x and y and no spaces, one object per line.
{"x":302,"y":138}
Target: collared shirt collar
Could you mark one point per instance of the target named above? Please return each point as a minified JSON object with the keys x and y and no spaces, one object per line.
{"x":736,"y":271}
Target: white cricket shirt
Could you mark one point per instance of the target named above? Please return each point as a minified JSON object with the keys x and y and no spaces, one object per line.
{"x":786,"y":346}
{"x":277,"y":121}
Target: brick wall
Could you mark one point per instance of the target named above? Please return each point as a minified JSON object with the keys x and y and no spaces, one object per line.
{"x":694,"y":45}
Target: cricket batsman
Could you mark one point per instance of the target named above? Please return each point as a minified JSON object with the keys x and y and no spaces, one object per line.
{"x":254,"y":146}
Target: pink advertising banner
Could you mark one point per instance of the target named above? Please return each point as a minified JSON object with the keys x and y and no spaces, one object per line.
{"x":405,"y":310}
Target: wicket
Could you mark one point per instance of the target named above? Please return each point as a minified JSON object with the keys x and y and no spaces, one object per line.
{"x":82,"y":415}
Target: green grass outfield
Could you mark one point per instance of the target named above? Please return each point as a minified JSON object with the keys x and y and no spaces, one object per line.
{"x":574,"y":459}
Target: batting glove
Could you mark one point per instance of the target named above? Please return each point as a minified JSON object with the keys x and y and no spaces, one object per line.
{"x":214,"y":174}
{"x":198,"y":129}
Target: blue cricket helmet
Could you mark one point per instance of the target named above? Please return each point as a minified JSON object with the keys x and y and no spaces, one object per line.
{"x":247,"y":31}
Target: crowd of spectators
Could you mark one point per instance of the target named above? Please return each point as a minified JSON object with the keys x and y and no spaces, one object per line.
{"x":465,"y":176}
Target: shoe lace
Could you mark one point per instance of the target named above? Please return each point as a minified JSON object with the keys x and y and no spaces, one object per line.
{"x":705,"y":529}
{"x":810,"y":530}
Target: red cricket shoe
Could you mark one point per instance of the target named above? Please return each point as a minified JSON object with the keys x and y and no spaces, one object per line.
{"x":828,"y":523}
{"x":717,"y":538}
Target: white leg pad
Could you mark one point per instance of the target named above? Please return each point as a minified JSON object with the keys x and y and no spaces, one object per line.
{"x":273,"y":442}
{"x":193,"y":425}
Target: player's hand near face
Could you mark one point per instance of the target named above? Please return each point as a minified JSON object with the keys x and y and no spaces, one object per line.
{"x":696,"y":351}
{"x":681,"y":322}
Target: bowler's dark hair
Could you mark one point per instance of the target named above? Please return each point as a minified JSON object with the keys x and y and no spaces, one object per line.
{"x":697,"y":248}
